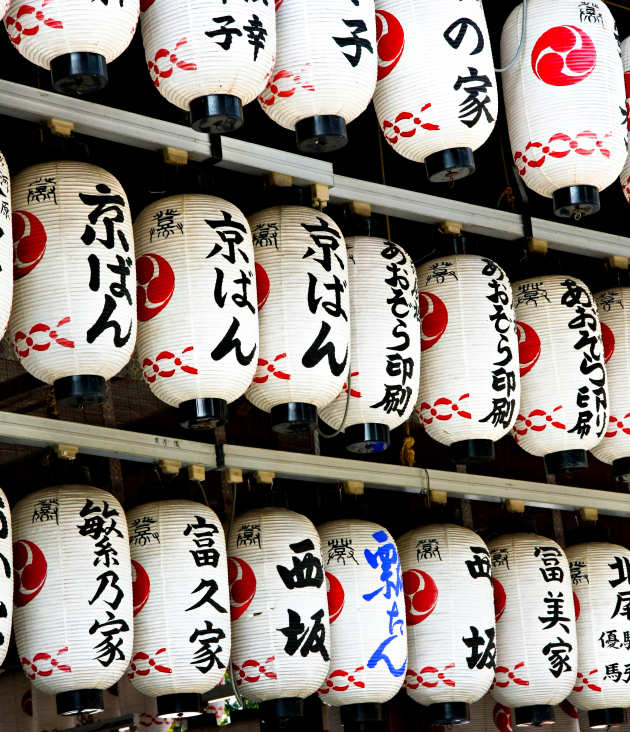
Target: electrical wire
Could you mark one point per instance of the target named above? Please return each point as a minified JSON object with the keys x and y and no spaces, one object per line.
{"x":521,"y":42}
{"x":345,"y":413}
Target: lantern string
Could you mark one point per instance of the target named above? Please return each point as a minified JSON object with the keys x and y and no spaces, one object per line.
{"x":345,"y":411}
{"x":521,"y":42}
{"x":235,"y":691}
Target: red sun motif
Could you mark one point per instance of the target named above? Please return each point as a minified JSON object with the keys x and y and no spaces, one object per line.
{"x":390,"y":42}
{"x":499,"y":599}
{"x":141,"y":586}
{"x":336,"y":596}
{"x":30,"y":570}
{"x":156,"y":283}
{"x":29,"y":242}
{"x":434,"y":319}
{"x":242,"y":586}
{"x":421,"y":595}
{"x":576,"y":606}
{"x":608,"y":338}
{"x":563,"y":55}
{"x":502,"y":718}
{"x":262,"y":285}
{"x":528,"y":347}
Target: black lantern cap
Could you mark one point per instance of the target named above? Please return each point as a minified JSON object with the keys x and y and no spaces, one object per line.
{"x":536,"y":715}
{"x":576,"y":201}
{"x":321,"y":134}
{"x":81,"y":701}
{"x":611,"y":717}
{"x":449,"y":165}
{"x":472,"y":451}
{"x":557,"y":462}
{"x":369,"y":437}
{"x":179,"y":705}
{"x":216,"y":114}
{"x":621,"y":469}
{"x":362,"y":717}
{"x":294,"y":417}
{"x":449,"y":713}
{"x":80,"y":391}
{"x":291,"y":707}
{"x":203,"y":414}
{"x":78,"y":73}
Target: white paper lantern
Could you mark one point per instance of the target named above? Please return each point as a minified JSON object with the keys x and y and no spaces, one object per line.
{"x":564,"y":395}
{"x":4,"y":5}
{"x":536,"y":643}
{"x":74,"y":39}
{"x":73,"y":617}
{"x":198,"y":321}
{"x":368,"y":657}
{"x":436,"y":97}
{"x":601,"y":583}
{"x":181,"y":604}
{"x":325,"y":70}
{"x":7,"y":576}
{"x":279,"y":609}
{"x":469,"y":386}
{"x":6,"y":249}
{"x":385,"y":345}
{"x":625,"y":59}
{"x":16,"y":702}
{"x":303,"y":311}
{"x":74,"y":314}
{"x":450,"y":619}
{"x":565,"y":101}
{"x":209,"y":57}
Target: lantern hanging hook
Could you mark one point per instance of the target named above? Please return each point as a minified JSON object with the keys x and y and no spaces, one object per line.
{"x":521,"y":42}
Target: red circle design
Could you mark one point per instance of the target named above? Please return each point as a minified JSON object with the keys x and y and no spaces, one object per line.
{"x":336,"y":596}
{"x":500,"y":599}
{"x":434,"y":319}
{"x":563,"y":55}
{"x":262,"y":285}
{"x":242,"y":582}
{"x":528,"y":347}
{"x":29,"y":571}
{"x":156,"y":284}
{"x":29,"y":242}
{"x":141,"y":586}
{"x":608,"y":338}
{"x":502,"y":718}
{"x":390,"y":42}
{"x":421,"y":595}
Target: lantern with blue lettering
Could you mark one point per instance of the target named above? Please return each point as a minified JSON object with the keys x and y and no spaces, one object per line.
{"x":565,"y":101}
{"x":74,"y":312}
{"x":181,"y":604}
{"x":73,"y":618}
{"x":280,"y":629}
{"x":536,"y":641}
{"x":564,"y":396}
{"x":451,"y":642}
{"x":303,"y":314}
{"x":325,"y":70}
{"x":74,"y":39}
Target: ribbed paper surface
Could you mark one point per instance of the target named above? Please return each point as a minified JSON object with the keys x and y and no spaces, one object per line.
{"x":6,"y":245}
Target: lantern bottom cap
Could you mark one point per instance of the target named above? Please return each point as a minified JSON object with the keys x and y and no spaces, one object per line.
{"x":369,"y":712}
{"x":472,"y":451}
{"x":557,"y":462}
{"x":611,"y":717}
{"x":291,"y":707}
{"x":535,"y":715}
{"x":576,"y":201}
{"x":216,"y":114}
{"x":179,"y":705}
{"x":203,"y":414}
{"x":81,"y":701}
{"x":447,"y":713}
{"x":78,"y":73}
{"x":80,"y":390}
{"x":294,"y":417}
{"x":449,"y":165}
{"x":621,"y":469}
{"x":368,"y":437}
{"x":323,"y":133}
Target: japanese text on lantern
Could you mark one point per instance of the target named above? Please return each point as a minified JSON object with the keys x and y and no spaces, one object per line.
{"x":481,"y":645}
{"x":618,"y":639}
{"x":353,"y":42}
{"x":226,"y":32}
{"x":4,"y":560}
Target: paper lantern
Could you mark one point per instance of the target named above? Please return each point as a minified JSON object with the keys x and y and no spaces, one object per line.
{"x":450,"y":619}
{"x":74,"y":39}
{"x":368,"y":657}
{"x":280,"y":629}
{"x":182,"y":628}
{"x":16,"y":702}
{"x":73,"y":617}
{"x":469,"y":386}
{"x":565,"y":101}
{"x":6,"y":576}
{"x":436,"y":97}
{"x":625,"y":58}
{"x":74,"y":315}
{"x":325,"y":70}
{"x":385,"y":345}
{"x":6,"y":249}
{"x":209,"y":58}
{"x":303,"y":310}
{"x":601,"y":584}
{"x":198,"y":321}
{"x":536,"y":644}
{"x":564,"y":395}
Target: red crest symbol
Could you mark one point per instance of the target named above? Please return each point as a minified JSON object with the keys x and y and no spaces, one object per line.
{"x":421,"y":595}
{"x":502,"y":718}
{"x":336,"y":596}
{"x":156,"y":284}
{"x":608,"y":338}
{"x":576,"y":606}
{"x":390,"y":42}
{"x":499,"y":598}
{"x":30,"y":570}
{"x":434,"y":319}
{"x":141,"y":586}
{"x":528,"y":347}
{"x":242,"y":586}
{"x":262,"y":285}
{"x":29,"y":242}
{"x":563,"y":55}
